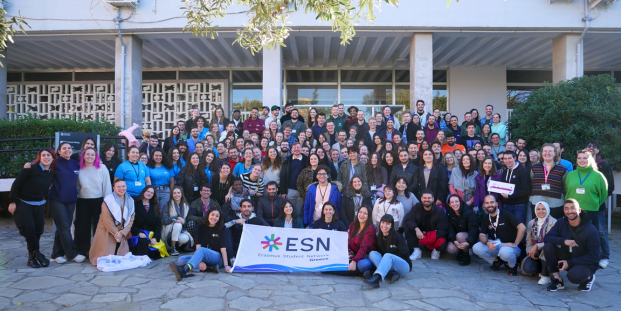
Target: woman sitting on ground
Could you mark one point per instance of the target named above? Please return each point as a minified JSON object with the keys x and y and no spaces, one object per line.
{"x":361,"y":240}
{"x":287,"y":217}
{"x":391,"y":257}
{"x":174,"y":217}
{"x":147,"y":219}
{"x":535,"y":263}
{"x":329,"y":220}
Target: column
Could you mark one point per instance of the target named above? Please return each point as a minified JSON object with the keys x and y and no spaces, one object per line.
{"x":272,"y":77}
{"x":132,"y":88}
{"x":566,"y":59}
{"x":3,"y":96}
{"x":421,"y":70}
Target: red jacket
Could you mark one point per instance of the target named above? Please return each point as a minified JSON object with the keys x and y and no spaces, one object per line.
{"x":363,"y":249}
{"x":255,"y":126}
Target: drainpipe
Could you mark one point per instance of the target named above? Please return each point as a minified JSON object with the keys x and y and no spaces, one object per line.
{"x":118,"y":21}
{"x":580,"y":46}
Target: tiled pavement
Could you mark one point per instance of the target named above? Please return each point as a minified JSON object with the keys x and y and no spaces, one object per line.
{"x":432,"y":285}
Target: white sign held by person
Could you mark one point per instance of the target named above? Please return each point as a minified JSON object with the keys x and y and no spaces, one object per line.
{"x":269,"y":249}
{"x":500,"y":187}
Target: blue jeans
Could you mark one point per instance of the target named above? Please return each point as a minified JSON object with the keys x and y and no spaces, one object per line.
{"x":364,"y":264}
{"x":202,"y":254}
{"x":603,"y":235}
{"x":506,"y":253}
{"x":389,"y":262}
{"x":163,"y":195}
{"x":63,"y":240}
{"x":519,"y":210}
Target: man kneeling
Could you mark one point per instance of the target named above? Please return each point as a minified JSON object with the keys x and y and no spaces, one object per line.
{"x":501,"y":233}
{"x":426,"y":224}
{"x":572,"y":245}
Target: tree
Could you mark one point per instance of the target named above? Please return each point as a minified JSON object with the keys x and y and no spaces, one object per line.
{"x":7,"y":31}
{"x":573,"y":112}
{"x":267,"y":18}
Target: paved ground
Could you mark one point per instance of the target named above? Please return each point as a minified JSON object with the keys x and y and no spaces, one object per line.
{"x":432,"y":285}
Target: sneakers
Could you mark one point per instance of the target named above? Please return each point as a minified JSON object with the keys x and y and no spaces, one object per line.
{"x":416,"y":254}
{"x":497,"y":264}
{"x":60,"y":260}
{"x":513,"y":270}
{"x":435,"y":254}
{"x":588,"y":285}
{"x":174,"y":252}
{"x":544,"y":280}
{"x":374,"y":280}
{"x":78,"y":258}
{"x":603,"y":263}
{"x":556,"y":285}
{"x":392,"y":277}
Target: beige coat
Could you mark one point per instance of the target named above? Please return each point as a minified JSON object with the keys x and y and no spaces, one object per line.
{"x":104,"y":243}
{"x":529,"y":236}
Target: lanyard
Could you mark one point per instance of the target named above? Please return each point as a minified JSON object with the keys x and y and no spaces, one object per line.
{"x":324,"y":193}
{"x":359,"y":201}
{"x":385,"y":210}
{"x":353,"y":171}
{"x":495,"y":225}
{"x":138,"y":174}
{"x":585,"y":178}
{"x":546,"y":173}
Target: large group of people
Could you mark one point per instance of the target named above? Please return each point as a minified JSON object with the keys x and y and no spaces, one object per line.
{"x":400,"y":188}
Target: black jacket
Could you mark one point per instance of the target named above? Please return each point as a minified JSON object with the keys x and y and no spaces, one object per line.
{"x":196,"y":212}
{"x":605,"y":169}
{"x":410,"y":134}
{"x":520,"y":177}
{"x":31,"y":184}
{"x":268,"y":211}
{"x":438,"y":182}
{"x":334,"y":226}
{"x":465,"y":222}
{"x":401,"y":250}
{"x":382,"y":133}
{"x":189,"y":181}
{"x":347,"y":213}
{"x":438,"y":221}
{"x":586,"y":236}
{"x":146,"y":221}
{"x":285,"y":173}
{"x":410,"y":173}
{"x":237,"y":229}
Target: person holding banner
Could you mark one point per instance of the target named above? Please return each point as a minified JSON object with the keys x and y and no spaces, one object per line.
{"x":361,"y":240}
{"x":391,"y":254}
{"x":246,"y":216}
{"x":213,"y":247}
{"x":287,"y":217}
{"x":329,"y":219}
{"x":319,"y":193}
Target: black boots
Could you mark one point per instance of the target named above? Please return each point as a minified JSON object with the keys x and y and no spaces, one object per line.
{"x":214,"y":269}
{"x":180,"y":272}
{"x":44,"y":262}
{"x":32,"y":260}
{"x":463,"y":257}
{"x":497,"y":264}
{"x":392,"y":277}
{"x":374,"y":280}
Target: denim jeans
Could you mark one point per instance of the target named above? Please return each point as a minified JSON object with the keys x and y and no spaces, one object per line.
{"x":506,"y":253}
{"x":202,"y":254}
{"x":364,"y":264}
{"x":389,"y":262}
{"x":63,"y":240}
{"x":603,"y":235}
{"x":163,"y":196}
{"x":519,"y":210}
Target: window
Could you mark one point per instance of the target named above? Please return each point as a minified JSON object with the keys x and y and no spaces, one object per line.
{"x":159,"y":75}
{"x":246,"y":97}
{"x":529,"y":76}
{"x":366,"y":76}
{"x":94,"y":76}
{"x":47,"y":76}
{"x":247,"y":76}
{"x":518,"y":94}
{"x":312,"y":76}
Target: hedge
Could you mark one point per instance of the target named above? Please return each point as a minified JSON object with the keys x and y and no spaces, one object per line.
{"x":572,"y":112}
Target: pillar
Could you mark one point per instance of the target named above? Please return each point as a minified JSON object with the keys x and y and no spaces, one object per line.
{"x":133,"y":81}
{"x":3,"y":95}
{"x":421,"y":70}
{"x":272,"y":77}
{"x":566,"y":59}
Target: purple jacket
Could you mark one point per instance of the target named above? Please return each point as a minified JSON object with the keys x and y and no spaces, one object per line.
{"x":481,"y":190}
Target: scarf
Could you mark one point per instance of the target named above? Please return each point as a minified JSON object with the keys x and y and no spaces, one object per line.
{"x":539,"y":224}
{"x":121,"y":211}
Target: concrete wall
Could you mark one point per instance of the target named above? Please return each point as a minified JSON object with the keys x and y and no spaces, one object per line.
{"x":471,"y":87}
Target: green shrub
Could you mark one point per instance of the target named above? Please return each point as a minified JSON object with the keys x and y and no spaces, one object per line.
{"x":573,"y":112}
{"x":11,"y":162}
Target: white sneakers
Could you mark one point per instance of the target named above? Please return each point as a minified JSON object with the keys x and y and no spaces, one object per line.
{"x":544,"y":280}
{"x":603,"y":263}
{"x":63,"y":259}
{"x":78,"y":258}
{"x":416,"y":254}
{"x":435,"y":254}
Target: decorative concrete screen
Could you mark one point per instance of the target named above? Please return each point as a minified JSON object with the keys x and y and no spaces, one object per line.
{"x":163,"y":103}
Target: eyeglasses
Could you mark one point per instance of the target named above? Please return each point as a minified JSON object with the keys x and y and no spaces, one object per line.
{"x":205,"y":190}
{"x":592,"y":146}
{"x":322,"y":174}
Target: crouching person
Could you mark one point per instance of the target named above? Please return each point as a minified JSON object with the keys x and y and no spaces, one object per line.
{"x":572,"y":245}
{"x":427,"y":225}
{"x":213,"y":247}
{"x":391,"y":254}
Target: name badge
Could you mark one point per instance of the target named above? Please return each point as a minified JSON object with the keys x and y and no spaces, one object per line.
{"x":373,"y":188}
{"x":545,"y":187}
{"x":294,"y":131}
{"x":195,"y":188}
{"x":580,"y":191}
{"x":137,"y":184}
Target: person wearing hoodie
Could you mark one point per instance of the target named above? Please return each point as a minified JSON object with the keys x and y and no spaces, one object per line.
{"x":390,"y":256}
{"x":463,"y":229}
{"x":427,"y":225}
{"x":604,"y":168}
{"x":499,"y":128}
{"x":536,"y":230}
{"x":319,"y":193}
{"x":246,"y":216}
{"x":354,"y":197}
{"x":518,"y":175}
{"x":268,"y":207}
{"x":407,"y":169}
{"x":572,"y":245}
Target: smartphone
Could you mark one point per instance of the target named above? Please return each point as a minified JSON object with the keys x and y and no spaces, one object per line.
{"x":560,"y":265}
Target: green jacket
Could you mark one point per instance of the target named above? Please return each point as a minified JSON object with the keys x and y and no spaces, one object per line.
{"x":339,"y":122}
{"x":595,"y":187}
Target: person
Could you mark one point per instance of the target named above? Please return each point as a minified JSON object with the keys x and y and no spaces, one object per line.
{"x":273,"y":117}
{"x":220,"y":119}
{"x":308,"y":175}
{"x":407,"y":170}
{"x":291,"y":169}
{"x":603,"y":167}
{"x":27,"y":203}
{"x":296,"y":122}
{"x":287,"y":217}
{"x":516,"y":174}
{"x":110,"y":158}
{"x":115,"y":223}
{"x":449,"y":161}
{"x":501,"y":233}
{"x":463,"y":181}
{"x":221,"y":184}
{"x":338,"y":120}
{"x":377,"y":176}
{"x":352,"y":119}
{"x":135,"y":173}
{"x":88,"y":142}
{"x":271,"y":165}
{"x":190,"y":123}
{"x":213,"y":247}
{"x":487,"y":173}
{"x":191,"y":177}
{"x":510,"y":146}
{"x":342,"y":137}
{"x":202,"y":130}
{"x":172,"y":139}
{"x":535,"y":263}
{"x":499,"y":128}
{"x":93,"y":185}
{"x":431,"y":130}
{"x":496,"y":146}
{"x":422,"y":114}
{"x":454,"y":128}
{"x":469,"y":139}
{"x":432,"y":176}
{"x":253,"y":183}
{"x":407,"y":198}
{"x":389,"y":132}
{"x":486,"y":133}
{"x":268,"y":206}
{"x":450,"y":145}
{"x":254,"y":124}
{"x":209,"y":164}
{"x":463,"y":229}
{"x":162,"y":175}
{"x":239,"y":125}
{"x":354,"y":197}
{"x":361,"y":241}
{"x":391,"y":254}
{"x":524,"y":158}
{"x":147,"y":219}
{"x":408,"y":128}
{"x":426,"y":224}
{"x":63,"y":196}
{"x":213,"y":135}
{"x":572,"y":245}
{"x":175,"y":232}
{"x":319,"y":127}
{"x":177,"y":161}
{"x":151,"y":143}
{"x":548,"y":182}
{"x":388,"y":205}
{"x":351,"y":167}
{"x":320,"y":192}
{"x":534,"y":156}
{"x":246,"y":216}
{"x":199,"y":208}
{"x":390,"y":160}
{"x":245,"y":166}
{"x":464,"y":125}
{"x":329,"y":219}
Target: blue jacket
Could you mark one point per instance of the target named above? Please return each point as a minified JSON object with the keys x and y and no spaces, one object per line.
{"x":587,"y":237}
{"x":309,"y":202}
{"x":65,"y":188}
